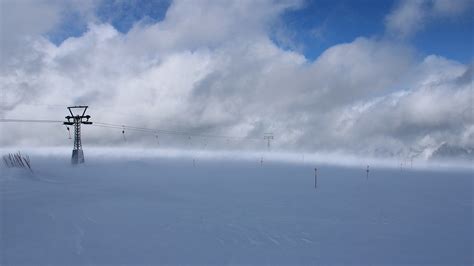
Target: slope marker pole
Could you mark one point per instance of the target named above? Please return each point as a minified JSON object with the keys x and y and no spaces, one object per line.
{"x":315,"y":178}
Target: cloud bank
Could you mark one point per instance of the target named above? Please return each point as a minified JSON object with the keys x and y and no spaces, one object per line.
{"x":212,"y":67}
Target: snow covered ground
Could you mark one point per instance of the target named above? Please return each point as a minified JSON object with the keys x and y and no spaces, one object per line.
{"x":163,"y":210}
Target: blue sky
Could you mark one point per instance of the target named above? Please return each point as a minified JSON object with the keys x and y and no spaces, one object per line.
{"x":319,"y":25}
{"x":323,"y":23}
{"x":121,"y":14}
{"x":450,"y":38}
{"x":124,"y":14}
{"x":316,"y":26}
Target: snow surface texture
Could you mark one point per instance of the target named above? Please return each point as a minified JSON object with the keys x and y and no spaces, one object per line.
{"x":171,"y":210}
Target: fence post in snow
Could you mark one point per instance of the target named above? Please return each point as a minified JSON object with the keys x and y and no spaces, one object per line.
{"x":315,"y":178}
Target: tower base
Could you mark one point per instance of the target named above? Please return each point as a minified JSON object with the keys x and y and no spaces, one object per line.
{"x":77,"y":157}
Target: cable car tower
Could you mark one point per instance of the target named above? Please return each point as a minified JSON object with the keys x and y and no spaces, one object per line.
{"x":76,"y":120}
{"x":268,"y":137}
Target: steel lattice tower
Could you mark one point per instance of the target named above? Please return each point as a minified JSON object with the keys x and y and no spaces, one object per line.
{"x":77,"y":120}
{"x":268,"y":137}
{"x":77,"y":135}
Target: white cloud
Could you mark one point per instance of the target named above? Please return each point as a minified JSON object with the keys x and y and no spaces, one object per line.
{"x":23,"y":22}
{"x":410,"y":16}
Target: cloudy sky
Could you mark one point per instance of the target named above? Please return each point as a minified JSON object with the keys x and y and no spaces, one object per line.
{"x":364,"y":76}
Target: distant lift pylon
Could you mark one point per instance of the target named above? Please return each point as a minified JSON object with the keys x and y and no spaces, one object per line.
{"x":77,"y":118}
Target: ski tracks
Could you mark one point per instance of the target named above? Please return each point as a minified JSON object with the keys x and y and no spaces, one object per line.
{"x":257,"y":236}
